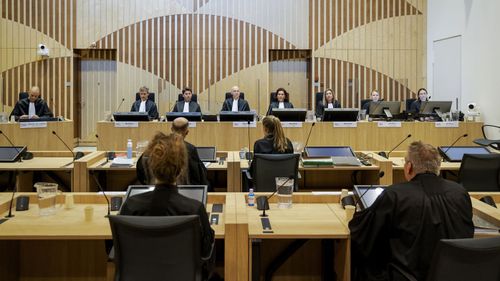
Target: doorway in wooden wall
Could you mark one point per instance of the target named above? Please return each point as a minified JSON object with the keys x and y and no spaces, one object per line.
{"x":95,"y":90}
{"x":291,"y":69}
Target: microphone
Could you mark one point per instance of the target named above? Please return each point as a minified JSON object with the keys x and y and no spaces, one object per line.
{"x":263,"y":201}
{"x":462,"y":136}
{"x":383,"y":154}
{"x":15,"y":147}
{"x":248,"y":155}
{"x":123,"y":99}
{"x":10,"y":215}
{"x":308,"y":136}
{"x":103,"y":193}
{"x":351,"y":200}
{"x":76,"y":156}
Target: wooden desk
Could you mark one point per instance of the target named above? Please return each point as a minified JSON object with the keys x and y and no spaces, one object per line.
{"x":66,"y":247}
{"x":366,"y":136}
{"x":39,"y":138}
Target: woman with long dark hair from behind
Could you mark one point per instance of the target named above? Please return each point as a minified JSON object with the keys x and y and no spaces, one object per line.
{"x":274,"y":141}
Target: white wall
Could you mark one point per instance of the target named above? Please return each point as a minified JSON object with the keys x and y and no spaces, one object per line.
{"x":477,"y":21}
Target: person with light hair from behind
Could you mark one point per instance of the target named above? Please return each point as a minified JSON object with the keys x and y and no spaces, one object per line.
{"x":405,"y":223}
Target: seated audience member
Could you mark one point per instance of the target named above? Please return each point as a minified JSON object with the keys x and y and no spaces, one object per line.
{"x":32,"y":107}
{"x":145,"y":105}
{"x":422,"y":96}
{"x":375,"y":98}
{"x":329,"y":101}
{"x":187,"y":105}
{"x":235,"y":103}
{"x":167,"y":159}
{"x":282,"y":101}
{"x":405,"y":223}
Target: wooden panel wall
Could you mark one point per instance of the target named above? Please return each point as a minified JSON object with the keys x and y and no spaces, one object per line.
{"x":211,"y":45}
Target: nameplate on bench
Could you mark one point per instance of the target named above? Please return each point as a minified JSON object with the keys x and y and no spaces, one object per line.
{"x":345,"y":124}
{"x":27,"y":125}
{"x":127,"y":124}
{"x":244,"y":125}
{"x":447,"y":124}
{"x":291,"y":124}
{"x":389,"y":124}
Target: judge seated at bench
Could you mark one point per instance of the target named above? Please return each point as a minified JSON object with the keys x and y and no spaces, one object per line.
{"x":235,"y":103}
{"x":145,"y":105}
{"x":187,"y":105}
{"x":32,"y":107}
{"x":282,"y":101}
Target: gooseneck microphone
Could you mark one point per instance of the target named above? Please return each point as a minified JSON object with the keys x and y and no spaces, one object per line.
{"x":103,"y":193}
{"x":12,"y":145}
{"x":263,"y":201}
{"x":460,"y":137}
{"x":120,"y":105}
{"x":383,"y":154}
{"x":76,"y":156}
{"x":308,"y":136}
{"x":10,"y":215}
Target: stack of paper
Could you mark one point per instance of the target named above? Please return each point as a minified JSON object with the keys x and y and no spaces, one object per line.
{"x":122,"y":162}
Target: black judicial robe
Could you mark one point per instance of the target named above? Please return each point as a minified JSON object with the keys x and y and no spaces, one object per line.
{"x":404,"y":225}
{"x":22,"y":108}
{"x":320,"y":108}
{"x":266,"y":146}
{"x":151,"y":108}
{"x":276,"y":104}
{"x":193,"y":107}
{"x":415,"y":106}
{"x":242,"y":105}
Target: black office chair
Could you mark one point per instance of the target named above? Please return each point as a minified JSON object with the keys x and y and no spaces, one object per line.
{"x":23,"y":95}
{"x":157,"y":248}
{"x":151,"y":96}
{"x":267,"y":167}
{"x":194,"y":97}
{"x":228,"y":95}
{"x":319,"y":97}
{"x":408,"y":104}
{"x":488,"y":141}
{"x":363,"y":102}
{"x":480,"y":172}
{"x":272,"y":98}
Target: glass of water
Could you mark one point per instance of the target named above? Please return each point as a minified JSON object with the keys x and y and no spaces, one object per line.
{"x":284,"y":187}
{"x":47,"y":197}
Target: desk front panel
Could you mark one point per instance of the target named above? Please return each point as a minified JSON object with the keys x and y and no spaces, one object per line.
{"x":39,"y":138}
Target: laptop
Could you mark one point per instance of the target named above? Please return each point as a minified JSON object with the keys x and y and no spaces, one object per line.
{"x":340,"y":155}
{"x":367,"y":194}
{"x":207,"y":153}
{"x":196,"y":192}
{"x":456,"y":153}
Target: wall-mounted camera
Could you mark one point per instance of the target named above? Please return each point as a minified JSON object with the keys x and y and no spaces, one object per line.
{"x":43,"y":50}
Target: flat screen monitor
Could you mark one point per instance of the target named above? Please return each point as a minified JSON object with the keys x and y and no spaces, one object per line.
{"x":196,"y":192}
{"x":378,"y":108}
{"x":234,"y":116}
{"x":456,"y":153}
{"x":432,"y":107}
{"x":131,"y":116}
{"x":190,"y":116}
{"x":11,"y":153}
{"x":329,"y":151}
{"x":340,"y":114}
{"x":206,"y":153}
{"x":367,"y":194}
{"x":290,"y":114}
{"x":41,"y":119}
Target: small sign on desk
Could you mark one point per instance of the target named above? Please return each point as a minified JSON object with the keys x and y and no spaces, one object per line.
{"x":192,"y":124}
{"x":345,"y":124}
{"x":127,"y":124}
{"x":389,"y":124}
{"x":447,"y":124}
{"x":27,"y":125}
{"x":244,"y":124}
{"x":291,"y":124}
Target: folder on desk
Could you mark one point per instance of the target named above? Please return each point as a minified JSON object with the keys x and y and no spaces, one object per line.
{"x":122,"y":162}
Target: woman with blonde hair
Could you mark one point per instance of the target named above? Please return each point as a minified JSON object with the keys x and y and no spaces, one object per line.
{"x":329,"y":101}
{"x":274,"y":141}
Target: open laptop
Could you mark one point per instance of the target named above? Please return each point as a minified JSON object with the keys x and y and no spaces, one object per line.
{"x":341,"y":155}
{"x":367,"y":194}
{"x":456,"y":153}
{"x":207,"y":153}
{"x":196,"y":192}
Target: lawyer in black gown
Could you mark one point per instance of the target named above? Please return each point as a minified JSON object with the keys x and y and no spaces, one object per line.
{"x":39,"y":107}
{"x":167,"y":159}
{"x":405,"y":223}
{"x":282,"y":101}
{"x":145,"y":105}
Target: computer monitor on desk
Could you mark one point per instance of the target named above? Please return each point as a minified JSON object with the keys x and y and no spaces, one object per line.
{"x":385,"y":108}
{"x":290,"y":114}
{"x":190,"y":116}
{"x":340,"y":114}
{"x":207,"y":153}
{"x":196,"y":192}
{"x":11,"y":153}
{"x":131,"y":116}
{"x":40,"y":119}
{"x":456,"y":153}
{"x":233,"y":116}
{"x":435,"y":107}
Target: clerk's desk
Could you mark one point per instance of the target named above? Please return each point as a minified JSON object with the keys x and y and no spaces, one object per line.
{"x":66,"y":247}
{"x":39,"y":139}
{"x":226,"y":137}
{"x":118,"y":178}
{"x":54,"y":166}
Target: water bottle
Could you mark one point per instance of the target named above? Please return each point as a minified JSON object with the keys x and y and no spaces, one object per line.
{"x":251,"y":198}
{"x":129,"y":149}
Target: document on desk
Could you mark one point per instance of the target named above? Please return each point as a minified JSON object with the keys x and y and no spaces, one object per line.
{"x":122,"y":162}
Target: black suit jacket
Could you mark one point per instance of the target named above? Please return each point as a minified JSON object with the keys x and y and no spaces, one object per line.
{"x":415,"y":106}
{"x":150,"y":108}
{"x":266,"y":146}
{"x":276,"y":104}
{"x":193,"y":107}
{"x":242,"y":105}
{"x":404,"y":225}
{"x":320,"y":108}
{"x":22,"y":108}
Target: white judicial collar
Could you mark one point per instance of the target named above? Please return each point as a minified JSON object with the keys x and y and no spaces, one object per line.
{"x":31,"y":109}
{"x":281,"y":105}
{"x":186,"y":107}
{"x":142,"y":108}
{"x":235,"y":105}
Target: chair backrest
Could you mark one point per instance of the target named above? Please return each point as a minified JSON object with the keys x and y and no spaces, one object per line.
{"x":272,"y":98}
{"x":466,"y":259}
{"x":228,"y":95}
{"x":151,"y":96}
{"x":487,"y":127}
{"x":480,"y":172}
{"x":23,"y":95}
{"x":157,"y":248}
{"x":408,"y":104}
{"x":194,"y":97}
{"x":269,"y":166}
{"x":363,"y":102}
{"x":319,"y":97}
